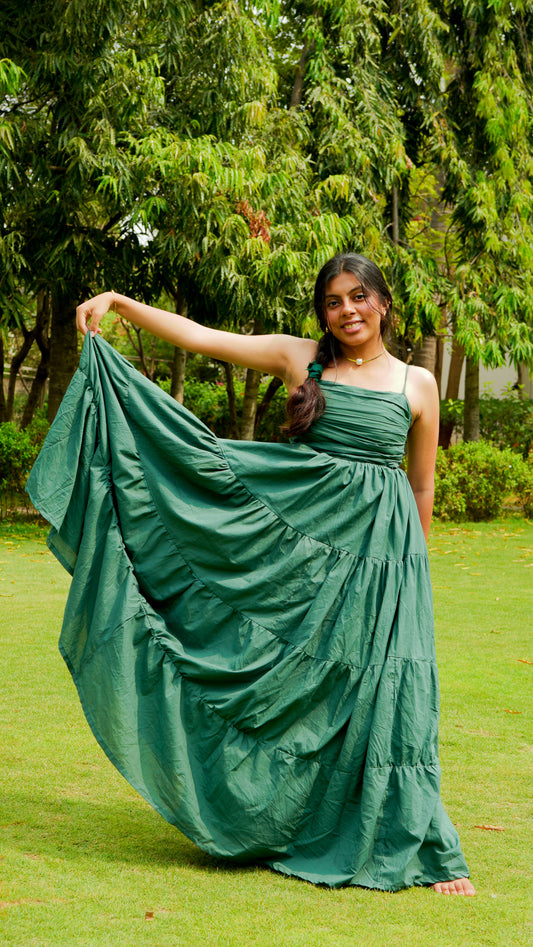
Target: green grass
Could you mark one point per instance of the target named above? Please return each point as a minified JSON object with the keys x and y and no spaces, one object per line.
{"x":83,"y":858}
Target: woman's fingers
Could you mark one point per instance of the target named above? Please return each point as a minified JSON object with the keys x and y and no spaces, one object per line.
{"x":89,"y":313}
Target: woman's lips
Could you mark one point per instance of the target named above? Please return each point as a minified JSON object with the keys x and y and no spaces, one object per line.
{"x":352,"y":325}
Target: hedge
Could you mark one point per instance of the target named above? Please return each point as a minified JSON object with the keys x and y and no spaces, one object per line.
{"x":474,"y":480}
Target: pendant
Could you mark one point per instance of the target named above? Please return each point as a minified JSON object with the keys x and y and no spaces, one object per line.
{"x":358,"y":361}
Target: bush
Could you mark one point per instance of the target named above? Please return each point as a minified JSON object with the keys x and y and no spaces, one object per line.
{"x":473,"y":480}
{"x":523,"y":484}
{"x":18,"y":451}
{"x":449,"y":502}
{"x":505,"y":422}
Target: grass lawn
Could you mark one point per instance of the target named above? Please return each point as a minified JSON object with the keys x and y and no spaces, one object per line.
{"x":85,"y":861}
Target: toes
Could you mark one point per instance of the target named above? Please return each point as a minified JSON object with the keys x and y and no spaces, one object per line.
{"x":462,"y":886}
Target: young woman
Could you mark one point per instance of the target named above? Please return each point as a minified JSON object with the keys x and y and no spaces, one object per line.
{"x":250,"y":625}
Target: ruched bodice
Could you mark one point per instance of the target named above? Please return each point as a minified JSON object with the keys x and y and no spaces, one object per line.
{"x":362,"y":424}
{"x":250,"y":626}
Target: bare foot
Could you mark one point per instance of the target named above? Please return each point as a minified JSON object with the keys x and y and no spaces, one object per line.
{"x":458,"y":886}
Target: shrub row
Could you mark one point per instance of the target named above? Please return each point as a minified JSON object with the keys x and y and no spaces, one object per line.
{"x":18,"y":450}
{"x":474,"y":480}
{"x":505,"y":422}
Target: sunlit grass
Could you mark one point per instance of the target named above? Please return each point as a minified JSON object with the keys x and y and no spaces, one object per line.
{"x":84,"y":861}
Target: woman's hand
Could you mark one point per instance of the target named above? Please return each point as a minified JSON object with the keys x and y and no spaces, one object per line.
{"x":88,"y":315}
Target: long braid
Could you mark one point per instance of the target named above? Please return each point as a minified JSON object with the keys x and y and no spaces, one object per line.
{"x":306,"y":404}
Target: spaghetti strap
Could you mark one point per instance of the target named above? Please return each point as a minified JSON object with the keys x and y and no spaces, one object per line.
{"x":405,"y":379}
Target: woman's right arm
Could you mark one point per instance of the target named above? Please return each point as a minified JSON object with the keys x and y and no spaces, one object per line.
{"x":280,"y":355}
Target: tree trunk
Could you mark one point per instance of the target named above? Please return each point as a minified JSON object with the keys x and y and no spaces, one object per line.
{"x":425,"y":353}
{"x":230,"y":389}
{"x":395,"y":216}
{"x":42,"y":327}
{"x":35,"y":397}
{"x":471,"y":415}
{"x":525,"y":382}
{"x":16,"y":363}
{"x":262,"y":409}
{"x":2,"y":392}
{"x":249,"y":404}
{"x":298,"y":86}
{"x":177,"y":378}
{"x":63,"y":352}
{"x":396,"y":345}
{"x":452,"y":390}
{"x":179,"y":360}
{"x":455,"y":370}
{"x":439,"y":357}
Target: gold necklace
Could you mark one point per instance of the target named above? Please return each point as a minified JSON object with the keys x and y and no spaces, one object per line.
{"x":361,"y":361}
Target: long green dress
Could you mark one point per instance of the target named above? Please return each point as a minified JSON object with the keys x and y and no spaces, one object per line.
{"x":250,"y":628}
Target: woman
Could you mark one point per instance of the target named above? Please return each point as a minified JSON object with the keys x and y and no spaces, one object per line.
{"x":250,"y":626}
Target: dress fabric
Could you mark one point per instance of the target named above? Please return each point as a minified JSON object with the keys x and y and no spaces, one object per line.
{"x":250,"y":626}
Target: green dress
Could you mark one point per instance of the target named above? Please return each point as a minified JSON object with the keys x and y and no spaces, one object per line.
{"x":250,"y":627}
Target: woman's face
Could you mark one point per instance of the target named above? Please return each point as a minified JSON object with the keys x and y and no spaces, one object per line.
{"x":352,"y":317}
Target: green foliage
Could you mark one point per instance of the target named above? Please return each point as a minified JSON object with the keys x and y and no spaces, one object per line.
{"x":18,"y":451}
{"x":222,"y":151}
{"x":473,"y":480}
{"x":451,"y":412}
{"x":16,"y":457}
{"x":449,"y":503}
{"x":505,"y":422}
{"x":483,"y":144}
{"x":522,"y":484}
{"x":508,"y":421}
{"x":208,"y":400}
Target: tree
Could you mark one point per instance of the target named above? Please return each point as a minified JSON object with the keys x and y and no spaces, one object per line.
{"x":483,"y":142}
{"x":219,"y":152}
{"x":84,"y":95}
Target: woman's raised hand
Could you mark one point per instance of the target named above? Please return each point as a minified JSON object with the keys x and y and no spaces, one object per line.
{"x":88,"y":315}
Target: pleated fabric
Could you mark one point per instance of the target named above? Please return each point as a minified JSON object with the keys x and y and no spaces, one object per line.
{"x":250,"y":626}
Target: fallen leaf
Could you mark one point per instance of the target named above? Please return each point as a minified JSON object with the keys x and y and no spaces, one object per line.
{"x":507,"y":711}
{"x":491,"y":828}
{"x":523,"y":661}
{"x":149,"y":916}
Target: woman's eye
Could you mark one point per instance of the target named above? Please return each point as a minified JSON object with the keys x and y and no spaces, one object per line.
{"x":359,"y":297}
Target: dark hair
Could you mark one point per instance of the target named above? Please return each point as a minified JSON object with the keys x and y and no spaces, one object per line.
{"x":307,"y":403}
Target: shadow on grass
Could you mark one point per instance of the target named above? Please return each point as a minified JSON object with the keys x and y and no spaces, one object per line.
{"x":46,"y":826}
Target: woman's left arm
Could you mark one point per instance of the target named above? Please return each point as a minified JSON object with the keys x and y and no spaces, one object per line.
{"x":422,"y":442}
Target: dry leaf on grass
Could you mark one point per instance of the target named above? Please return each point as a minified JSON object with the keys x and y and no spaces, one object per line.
{"x":491,"y":828}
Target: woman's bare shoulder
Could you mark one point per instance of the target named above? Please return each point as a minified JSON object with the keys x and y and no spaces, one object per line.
{"x":421,"y":378}
{"x":422,"y":392}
